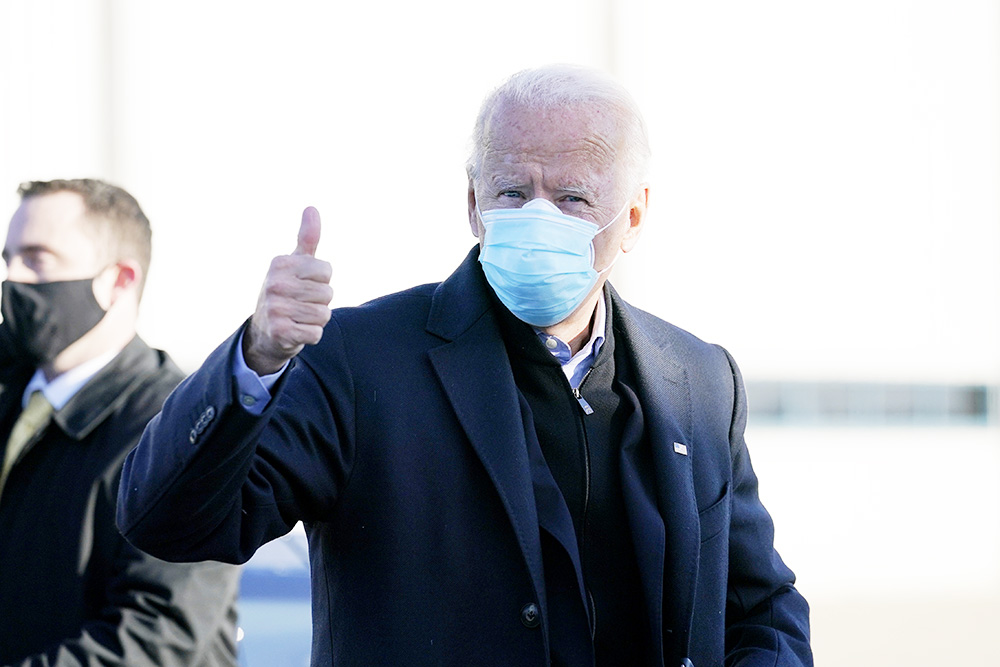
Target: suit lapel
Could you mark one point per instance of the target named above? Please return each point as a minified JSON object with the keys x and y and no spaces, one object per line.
{"x":474,"y":370}
{"x":667,"y":545}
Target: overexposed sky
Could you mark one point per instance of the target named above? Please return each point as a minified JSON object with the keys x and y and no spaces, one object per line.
{"x":824,"y":191}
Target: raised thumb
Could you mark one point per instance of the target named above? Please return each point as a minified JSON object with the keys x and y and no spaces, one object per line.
{"x":308,"y":233}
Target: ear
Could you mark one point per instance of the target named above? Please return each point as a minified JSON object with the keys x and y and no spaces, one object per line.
{"x":637,"y":216}
{"x":125,"y":278}
{"x":474,"y":224}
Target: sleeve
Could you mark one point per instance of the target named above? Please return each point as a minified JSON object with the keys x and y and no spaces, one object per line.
{"x":767,"y":619}
{"x":254,"y":390}
{"x":211,"y":481}
{"x":148,"y":612}
{"x":162,"y":614}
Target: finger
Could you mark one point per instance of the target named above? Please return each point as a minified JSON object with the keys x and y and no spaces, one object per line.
{"x":315,"y":269}
{"x":308,"y":233}
{"x":294,"y":268}
{"x":301,"y":291}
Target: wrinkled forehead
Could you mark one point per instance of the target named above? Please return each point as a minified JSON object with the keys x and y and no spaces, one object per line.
{"x":580,"y":135}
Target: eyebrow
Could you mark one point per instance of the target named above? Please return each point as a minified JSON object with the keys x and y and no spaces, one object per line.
{"x":582,"y":192}
{"x":501,"y":183}
{"x":498,"y":182}
{"x":33,"y":249}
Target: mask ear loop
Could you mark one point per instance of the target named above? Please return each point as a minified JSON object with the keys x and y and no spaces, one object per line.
{"x":593,"y":254}
{"x":614,"y":219}
{"x":609,"y":266}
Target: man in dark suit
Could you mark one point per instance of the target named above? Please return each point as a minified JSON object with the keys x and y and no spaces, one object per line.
{"x":77,"y":386}
{"x":512,"y":467}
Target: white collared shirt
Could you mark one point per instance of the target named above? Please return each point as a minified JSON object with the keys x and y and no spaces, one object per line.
{"x":64,"y":386}
{"x":575,"y":367}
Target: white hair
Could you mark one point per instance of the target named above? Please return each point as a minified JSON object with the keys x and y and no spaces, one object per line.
{"x":566,"y":85}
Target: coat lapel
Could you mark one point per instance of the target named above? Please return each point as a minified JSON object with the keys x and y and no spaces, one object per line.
{"x":473,"y":368}
{"x":108,"y":390}
{"x":667,"y":545}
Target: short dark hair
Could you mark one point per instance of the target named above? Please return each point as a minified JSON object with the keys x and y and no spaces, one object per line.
{"x":113,"y":211}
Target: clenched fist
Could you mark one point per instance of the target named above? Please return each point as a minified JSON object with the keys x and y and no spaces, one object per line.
{"x":294,"y":303}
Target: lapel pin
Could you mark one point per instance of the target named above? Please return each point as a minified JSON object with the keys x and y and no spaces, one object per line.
{"x":681,"y":449}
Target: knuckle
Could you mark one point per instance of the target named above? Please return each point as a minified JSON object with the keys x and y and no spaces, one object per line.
{"x":326,"y":271}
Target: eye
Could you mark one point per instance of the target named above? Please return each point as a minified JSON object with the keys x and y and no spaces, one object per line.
{"x":37,"y":260}
{"x":577,"y":205}
{"x":32,"y":260}
{"x":511,"y":194}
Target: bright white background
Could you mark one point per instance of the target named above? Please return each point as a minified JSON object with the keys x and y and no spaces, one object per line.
{"x":825,"y":203}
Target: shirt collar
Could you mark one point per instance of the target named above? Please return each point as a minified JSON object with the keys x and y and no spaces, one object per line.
{"x":64,"y":386}
{"x":573,"y":364}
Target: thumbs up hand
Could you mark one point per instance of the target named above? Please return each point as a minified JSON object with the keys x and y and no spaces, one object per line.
{"x":294,"y":303}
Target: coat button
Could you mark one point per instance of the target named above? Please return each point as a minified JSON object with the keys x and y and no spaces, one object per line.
{"x":530,"y":616}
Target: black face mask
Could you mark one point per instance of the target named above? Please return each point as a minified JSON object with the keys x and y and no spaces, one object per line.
{"x":41,"y":320}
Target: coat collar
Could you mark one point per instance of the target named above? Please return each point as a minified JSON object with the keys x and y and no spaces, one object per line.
{"x":109,"y":389}
{"x":101,"y":396}
{"x":461,"y":300}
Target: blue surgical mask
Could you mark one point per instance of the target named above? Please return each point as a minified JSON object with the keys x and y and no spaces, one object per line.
{"x":540,"y":261}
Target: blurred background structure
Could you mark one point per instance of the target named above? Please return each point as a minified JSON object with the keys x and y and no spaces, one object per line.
{"x":825,"y":203}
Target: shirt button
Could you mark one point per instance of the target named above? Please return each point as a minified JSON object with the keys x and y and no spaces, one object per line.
{"x":530,"y":616}
{"x":247,"y":400}
{"x":551,"y":343}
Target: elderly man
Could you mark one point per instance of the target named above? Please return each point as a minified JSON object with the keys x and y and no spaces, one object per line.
{"x":512,"y":467}
{"x":77,"y":387}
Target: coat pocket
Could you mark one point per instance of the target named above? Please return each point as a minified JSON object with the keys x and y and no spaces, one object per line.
{"x":715,"y":518}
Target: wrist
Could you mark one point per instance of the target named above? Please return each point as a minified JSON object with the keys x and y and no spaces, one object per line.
{"x":258,"y":358}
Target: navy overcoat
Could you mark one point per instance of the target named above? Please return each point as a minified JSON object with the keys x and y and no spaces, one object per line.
{"x":398,"y":441}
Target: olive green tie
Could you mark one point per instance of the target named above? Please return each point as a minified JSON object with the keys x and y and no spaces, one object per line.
{"x":32,"y":419}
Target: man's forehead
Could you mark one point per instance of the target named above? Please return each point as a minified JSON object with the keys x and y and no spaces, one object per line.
{"x":567,"y":124}
{"x":53,"y":208}
{"x":47,"y":220}
{"x":583,"y":166}
{"x":551,"y":134}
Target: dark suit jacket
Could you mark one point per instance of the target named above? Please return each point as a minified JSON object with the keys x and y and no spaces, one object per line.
{"x":72,"y":591}
{"x":398,"y":441}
